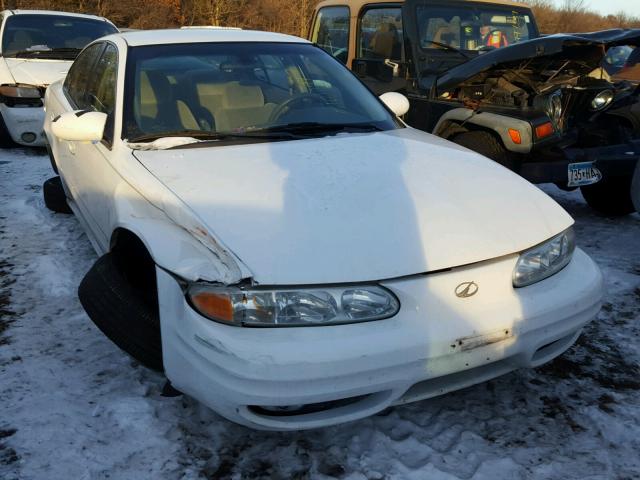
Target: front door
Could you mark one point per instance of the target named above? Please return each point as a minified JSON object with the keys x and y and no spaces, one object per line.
{"x":99,"y":178}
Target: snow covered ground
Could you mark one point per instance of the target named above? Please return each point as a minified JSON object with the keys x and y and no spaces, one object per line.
{"x":72,"y":406}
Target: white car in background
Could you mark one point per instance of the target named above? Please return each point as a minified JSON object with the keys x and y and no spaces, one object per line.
{"x":37,"y":48}
{"x":278,"y":242}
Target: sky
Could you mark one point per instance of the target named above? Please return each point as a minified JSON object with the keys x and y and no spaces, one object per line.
{"x":630,"y":7}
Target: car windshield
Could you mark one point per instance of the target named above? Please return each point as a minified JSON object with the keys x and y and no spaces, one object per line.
{"x":50,"y":36}
{"x":210,"y":89}
{"x":473,"y":26}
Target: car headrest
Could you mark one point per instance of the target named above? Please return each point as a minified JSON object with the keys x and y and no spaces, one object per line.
{"x":242,"y":96}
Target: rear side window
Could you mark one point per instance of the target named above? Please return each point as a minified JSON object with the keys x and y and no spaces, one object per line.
{"x":79,"y":75}
{"x":380,"y":34}
{"x":331,"y":32}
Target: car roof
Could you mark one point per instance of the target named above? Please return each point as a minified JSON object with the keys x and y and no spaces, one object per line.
{"x":52,"y":12}
{"x":202,"y":35}
{"x":358,"y":4}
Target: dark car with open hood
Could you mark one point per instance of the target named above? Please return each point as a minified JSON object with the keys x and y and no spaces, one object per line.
{"x":479,"y":73}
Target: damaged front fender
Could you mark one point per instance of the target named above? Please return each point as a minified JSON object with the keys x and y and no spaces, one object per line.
{"x":176,"y":239}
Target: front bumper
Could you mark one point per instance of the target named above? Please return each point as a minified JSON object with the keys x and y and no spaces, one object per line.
{"x":612,"y":161}
{"x":436,"y":344}
{"x":21,"y":120}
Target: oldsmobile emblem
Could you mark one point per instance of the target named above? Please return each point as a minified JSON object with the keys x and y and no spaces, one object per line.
{"x":466,"y":289}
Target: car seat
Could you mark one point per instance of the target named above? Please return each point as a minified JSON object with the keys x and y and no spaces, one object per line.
{"x":242,"y":106}
{"x":156,"y":109}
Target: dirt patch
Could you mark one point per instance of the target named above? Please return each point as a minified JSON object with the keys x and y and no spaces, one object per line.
{"x":555,"y":408}
{"x":608,"y":367}
{"x":7,"y":315}
{"x":8,"y":455}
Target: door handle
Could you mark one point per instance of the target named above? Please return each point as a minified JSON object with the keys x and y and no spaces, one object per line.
{"x":72,"y":147}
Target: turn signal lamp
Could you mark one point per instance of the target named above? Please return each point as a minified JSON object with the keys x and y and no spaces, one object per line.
{"x":545,"y":130}
{"x":214,"y":305}
{"x":515,"y":136}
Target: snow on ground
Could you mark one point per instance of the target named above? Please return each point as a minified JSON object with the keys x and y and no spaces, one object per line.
{"x":72,"y":406}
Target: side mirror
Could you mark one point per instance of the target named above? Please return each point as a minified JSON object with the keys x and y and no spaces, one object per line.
{"x":397,"y":103}
{"x":79,"y":126}
{"x":359,"y":67}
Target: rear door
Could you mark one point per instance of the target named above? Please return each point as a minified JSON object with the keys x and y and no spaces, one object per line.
{"x":66,"y":99}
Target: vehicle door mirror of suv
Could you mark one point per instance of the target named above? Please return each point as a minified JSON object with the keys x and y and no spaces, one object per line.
{"x":359,"y":67}
{"x":79,"y":126}
{"x":397,"y":103}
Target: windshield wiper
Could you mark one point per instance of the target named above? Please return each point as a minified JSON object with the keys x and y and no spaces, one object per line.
{"x":447,"y":47}
{"x":25,"y":53}
{"x":313,"y":128}
{"x":65,"y":50}
{"x":49,"y":52}
{"x":210,"y":136}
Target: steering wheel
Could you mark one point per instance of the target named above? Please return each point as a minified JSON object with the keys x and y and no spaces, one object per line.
{"x":302,"y":100}
{"x":340,"y":54}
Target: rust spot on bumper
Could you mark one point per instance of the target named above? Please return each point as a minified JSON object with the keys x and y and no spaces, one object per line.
{"x":475,"y":341}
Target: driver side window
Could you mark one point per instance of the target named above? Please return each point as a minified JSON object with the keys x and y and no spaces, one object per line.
{"x":331,"y":32}
{"x":75,"y":85}
{"x":101,"y":89}
{"x":380,"y":34}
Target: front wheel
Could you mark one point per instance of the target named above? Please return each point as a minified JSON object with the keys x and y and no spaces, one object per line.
{"x":124,"y":309}
{"x":485,"y":144}
{"x":610,"y":196}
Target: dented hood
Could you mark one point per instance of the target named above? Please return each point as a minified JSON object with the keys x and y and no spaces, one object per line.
{"x":356,"y":207}
{"x":588,"y":49}
{"x":37,"y":72}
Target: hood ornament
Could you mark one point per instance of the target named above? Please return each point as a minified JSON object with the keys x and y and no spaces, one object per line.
{"x":466,"y":289}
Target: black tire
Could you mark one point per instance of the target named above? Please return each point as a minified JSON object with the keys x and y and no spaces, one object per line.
{"x":54,"y":196}
{"x":611,"y":196}
{"x":122,"y":311}
{"x":5,"y":139}
{"x":485,"y":144}
{"x":52,"y":159}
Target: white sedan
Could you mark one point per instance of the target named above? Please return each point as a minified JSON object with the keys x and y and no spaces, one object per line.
{"x":276,"y":240}
{"x":36,"y":49}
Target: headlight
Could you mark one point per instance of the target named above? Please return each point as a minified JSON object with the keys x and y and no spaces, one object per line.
{"x":602,"y":100}
{"x":15,"y":91}
{"x":293,"y":307}
{"x":554,"y":107}
{"x":544,"y":260}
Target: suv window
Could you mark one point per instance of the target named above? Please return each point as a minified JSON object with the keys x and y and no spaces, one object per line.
{"x":75,"y":84}
{"x":380,"y":34}
{"x":331,"y":32}
{"x":473,"y":27}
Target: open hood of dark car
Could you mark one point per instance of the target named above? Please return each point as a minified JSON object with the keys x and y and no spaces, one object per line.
{"x":584,"y":50}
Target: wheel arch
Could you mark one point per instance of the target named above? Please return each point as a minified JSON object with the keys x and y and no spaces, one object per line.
{"x":168,"y":246}
{"x":461,"y":120}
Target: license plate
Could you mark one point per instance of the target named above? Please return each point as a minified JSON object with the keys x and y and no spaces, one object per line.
{"x":583,"y":173}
